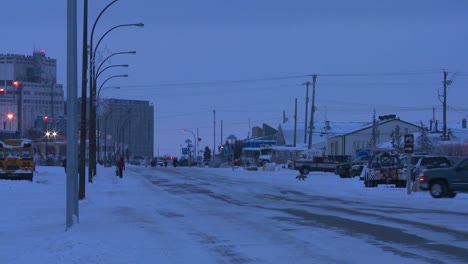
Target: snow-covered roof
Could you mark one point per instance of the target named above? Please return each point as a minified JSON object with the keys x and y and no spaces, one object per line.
{"x":320,"y":133}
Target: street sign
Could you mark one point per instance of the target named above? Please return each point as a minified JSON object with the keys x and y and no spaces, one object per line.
{"x":227,"y":150}
{"x":409,"y":143}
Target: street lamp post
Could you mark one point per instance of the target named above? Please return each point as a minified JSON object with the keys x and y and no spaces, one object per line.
{"x":232,"y":140}
{"x":92,"y":94}
{"x":189,"y":152}
{"x":10,"y":117}
{"x":82,"y":164}
{"x":194,"y":143}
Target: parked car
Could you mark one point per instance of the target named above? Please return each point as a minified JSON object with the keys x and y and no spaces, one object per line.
{"x":429,"y":162}
{"x":445,"y":182}
{"x":353,"y":168}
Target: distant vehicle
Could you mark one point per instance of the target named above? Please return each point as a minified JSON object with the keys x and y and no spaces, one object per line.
{"x":326,"y":164}
{"x":257,"y":155}
{"x":138,"y":160}
{"x":445,"y":182}
{"x":353,"y":168}
{"x":160,"y":163}
{"x":17,"y":159}
{"x":265,"y":155}
{"x":385,"y":168}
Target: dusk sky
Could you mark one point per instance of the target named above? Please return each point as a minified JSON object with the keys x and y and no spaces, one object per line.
{"x":248,"y":59}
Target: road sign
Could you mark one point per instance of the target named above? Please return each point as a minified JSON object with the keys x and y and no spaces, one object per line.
{"x":409,"y":143}
{"x":227,"y":150}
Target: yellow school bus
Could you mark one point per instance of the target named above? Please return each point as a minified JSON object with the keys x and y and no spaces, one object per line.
{"x":17,"y":159}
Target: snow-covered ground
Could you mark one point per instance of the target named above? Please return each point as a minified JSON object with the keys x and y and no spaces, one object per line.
{"x":113,"y":229}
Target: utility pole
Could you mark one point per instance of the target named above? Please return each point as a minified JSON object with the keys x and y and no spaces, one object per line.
{"x":214,"y":133}
{"x":444,"y":128}
{"x":295,"y":122}
{"x":306,"y":110}
{"x":374,"y":131}
{"x":72,"y":146}
{"x":84,"y":69}
{"x":312,"y":110}
{"x":221,"y":140}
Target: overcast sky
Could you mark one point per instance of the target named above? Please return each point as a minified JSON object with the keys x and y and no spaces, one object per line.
{"x":248,"y":59}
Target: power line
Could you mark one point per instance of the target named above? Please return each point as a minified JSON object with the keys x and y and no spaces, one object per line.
{"x":208,"y":83}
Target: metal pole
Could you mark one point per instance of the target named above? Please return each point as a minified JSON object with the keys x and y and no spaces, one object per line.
{"x":214,"y":134}
{"x":444,"y":105}
{"x":72,"y":146}
{"x":408,"y":174}
{"x":92,"y":95}
{"x":306,"y":111}
{"x":82,"y":155}
{"x":312,"y":110}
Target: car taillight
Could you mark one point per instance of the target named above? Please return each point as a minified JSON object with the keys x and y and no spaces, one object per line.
{"x":421,"y":178}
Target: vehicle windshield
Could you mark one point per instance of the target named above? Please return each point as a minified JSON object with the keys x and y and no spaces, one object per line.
{"x":435,"y":161}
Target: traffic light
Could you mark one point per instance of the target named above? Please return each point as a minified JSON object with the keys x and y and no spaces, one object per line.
{"x":2,"y":91}
{"x":16,"y":84}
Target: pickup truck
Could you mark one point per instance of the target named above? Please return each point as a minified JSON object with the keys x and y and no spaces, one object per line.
{"x":315,"y":164}
{"x":445,"y":182}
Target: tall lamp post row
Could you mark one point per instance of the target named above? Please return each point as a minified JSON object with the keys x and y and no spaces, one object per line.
{"x":93,"y":76}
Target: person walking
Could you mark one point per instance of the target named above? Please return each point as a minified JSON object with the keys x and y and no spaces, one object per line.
{"x":121,"y":166}
{"x":64,"y":164}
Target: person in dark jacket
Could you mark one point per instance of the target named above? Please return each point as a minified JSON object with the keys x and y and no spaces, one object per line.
{"x":121,"y":166}
{"x":64,"y":164}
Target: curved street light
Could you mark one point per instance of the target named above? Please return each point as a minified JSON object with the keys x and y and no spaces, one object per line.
{"x":113,"y":54}
{"x":83,"y":105}
{"x":92,"y":93}
{"x":111,"y":66}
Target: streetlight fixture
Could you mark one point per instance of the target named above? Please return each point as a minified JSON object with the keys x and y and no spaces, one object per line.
{"x":110,"y":66}
{"x":10,"y":117}
{"x":194,"y":143}
{"x":232,"y":140}
{"x":113,"y":54}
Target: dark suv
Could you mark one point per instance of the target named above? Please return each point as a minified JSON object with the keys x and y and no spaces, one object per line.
{"x":429,"y":162}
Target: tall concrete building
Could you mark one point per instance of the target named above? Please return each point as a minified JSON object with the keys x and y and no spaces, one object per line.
{"x":31,"y":100}
{"x":125,"y":128}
